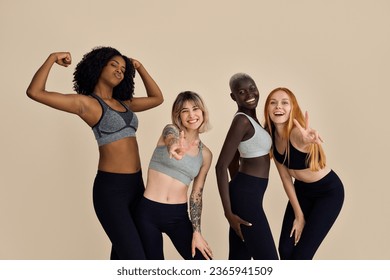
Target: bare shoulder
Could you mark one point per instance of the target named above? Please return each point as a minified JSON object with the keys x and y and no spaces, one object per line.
{"x":206,"y":152}
{"x":207,"y":159}
{"x":88,"y":100}
{"x":89,"y":103}
{"x":241,"y":122}
{"x":241,"y":118}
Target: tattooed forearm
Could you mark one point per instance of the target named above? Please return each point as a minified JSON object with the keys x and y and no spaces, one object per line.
{"x":196,"y":210}
{"x":170,"y":134}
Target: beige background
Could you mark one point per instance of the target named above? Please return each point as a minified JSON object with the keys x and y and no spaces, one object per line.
{"x":333,"y":54}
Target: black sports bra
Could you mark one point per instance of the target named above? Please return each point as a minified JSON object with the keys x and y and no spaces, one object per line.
{"x":297,"y":160}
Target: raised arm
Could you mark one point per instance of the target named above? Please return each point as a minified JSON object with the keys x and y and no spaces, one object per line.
{"x":72,"y":103}
{"x":307,"y":135}
{"x":175,"y":141}
{"x":196,"y":204}
{"x":154,"y":94}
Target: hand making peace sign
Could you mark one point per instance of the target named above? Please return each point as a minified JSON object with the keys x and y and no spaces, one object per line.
{"x":309,"y":135}
{"x":178,"y":149}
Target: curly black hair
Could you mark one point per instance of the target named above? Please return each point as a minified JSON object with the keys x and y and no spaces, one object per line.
{"x":88,"y":70}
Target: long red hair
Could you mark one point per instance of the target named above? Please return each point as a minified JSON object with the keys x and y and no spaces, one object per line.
{"x":316,"y":159}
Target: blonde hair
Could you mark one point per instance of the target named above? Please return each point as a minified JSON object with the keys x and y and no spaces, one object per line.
{"x":198,"y":101}
{"x":316,"y":158}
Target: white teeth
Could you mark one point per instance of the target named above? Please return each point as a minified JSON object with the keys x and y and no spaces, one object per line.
{"x":251,"y":100}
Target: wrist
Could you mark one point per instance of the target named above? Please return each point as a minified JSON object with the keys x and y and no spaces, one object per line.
{"x":52,"y":57}
{"x":138,"y":66}
{"x":228,"y":214}
{"x":299,"y":216}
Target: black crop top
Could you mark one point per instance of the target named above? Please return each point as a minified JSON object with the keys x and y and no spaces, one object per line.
{"x":297,"y":160}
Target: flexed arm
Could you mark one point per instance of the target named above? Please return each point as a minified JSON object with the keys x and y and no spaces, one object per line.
{"x":175,"y":141}
{"x":72,"y":103}
{"x":308,"y":135}
{"x":154,"y":94}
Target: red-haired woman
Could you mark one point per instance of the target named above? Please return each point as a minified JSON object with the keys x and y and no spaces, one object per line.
{"x":315,"y":192}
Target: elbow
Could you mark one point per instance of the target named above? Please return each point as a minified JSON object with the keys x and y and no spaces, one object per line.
{"x":217,"y":168}
{"x":34,"y":93}
{"x":161,"y":100}
{"x":30,"y":93}
{"x":220,"y":169}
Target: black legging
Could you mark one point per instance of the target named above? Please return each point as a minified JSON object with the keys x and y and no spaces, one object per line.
{"x":246,"y":196}
{"x":115,"y":197}
{"x":154,"y":218}
{"x":321,"y":203}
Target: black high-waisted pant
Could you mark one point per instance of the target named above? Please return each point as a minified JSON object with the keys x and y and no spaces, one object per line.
{"x":154,"y":218}
{"x":246,"y":197}
{"x":321,"y":203}
{"x":115,"y":197}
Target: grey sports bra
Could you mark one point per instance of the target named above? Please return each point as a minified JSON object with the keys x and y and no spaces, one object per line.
{"x":258,"y":145}
{"x":114,"y":125}
{"x":184,"y":170}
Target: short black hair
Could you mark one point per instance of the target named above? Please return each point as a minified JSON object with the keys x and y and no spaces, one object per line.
{"x":88,"y":70}
{"x":237,"y":78}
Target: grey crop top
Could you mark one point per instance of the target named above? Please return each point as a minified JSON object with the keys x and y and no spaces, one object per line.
{"x":184,"y":170}
{"x":114,"y":125}
{"x":258,"y":145}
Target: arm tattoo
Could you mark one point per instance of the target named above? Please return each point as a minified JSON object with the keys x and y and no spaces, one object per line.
{"x":171,"y":129}
{"x":171,"y":133}
{"x":196,"y":210}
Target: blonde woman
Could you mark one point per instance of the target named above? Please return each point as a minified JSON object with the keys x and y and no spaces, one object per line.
{"x":179,"y":159}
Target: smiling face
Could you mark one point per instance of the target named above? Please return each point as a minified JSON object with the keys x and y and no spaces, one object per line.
{"x":113,"y":72}
{"x":191,"y":116}
{"x":279,"y":107}
{"x":190,"y":112}
{"x":245,"y":94}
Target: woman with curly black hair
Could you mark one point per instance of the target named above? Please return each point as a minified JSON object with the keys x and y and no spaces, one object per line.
{"x":104,"y":81}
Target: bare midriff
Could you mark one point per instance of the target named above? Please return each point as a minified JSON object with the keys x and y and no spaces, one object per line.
{"x":121,"y":156}
{"x":308,"y":176}
{"x":165,"y":189}
{"x":257,"y":167}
